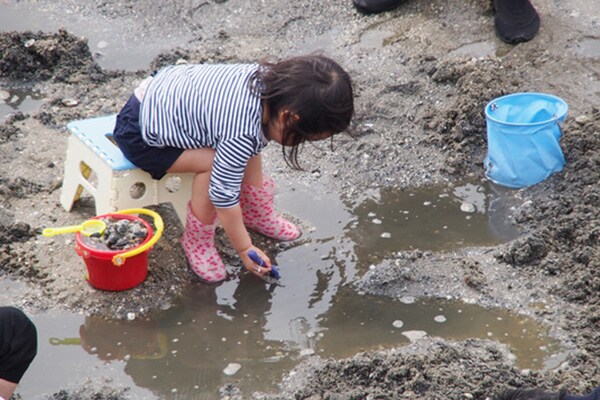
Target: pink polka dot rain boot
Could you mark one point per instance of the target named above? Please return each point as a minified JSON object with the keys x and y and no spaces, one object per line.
{"x":260,"y":215}
{"x":198,"y":242}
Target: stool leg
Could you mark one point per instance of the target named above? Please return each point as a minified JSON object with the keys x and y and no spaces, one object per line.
{"x":104,"y":192}
{"x":71,"y":189}
{"x":85,"y":172}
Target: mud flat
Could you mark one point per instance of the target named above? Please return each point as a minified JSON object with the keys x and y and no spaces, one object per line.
{"x":421,"y":86}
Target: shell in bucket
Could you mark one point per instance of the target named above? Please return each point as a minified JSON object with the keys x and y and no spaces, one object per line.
{"x":122,"y":269}
{"x":523,"y":133}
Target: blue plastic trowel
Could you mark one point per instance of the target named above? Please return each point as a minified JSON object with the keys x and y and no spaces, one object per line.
{"x":256,"y":258}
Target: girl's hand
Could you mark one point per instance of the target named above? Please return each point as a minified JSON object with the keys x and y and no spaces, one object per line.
{"x":252,"y":266}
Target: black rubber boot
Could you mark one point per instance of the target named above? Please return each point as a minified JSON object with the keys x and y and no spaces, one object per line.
{"x":516,"y":21}
{"x":376,"y":6}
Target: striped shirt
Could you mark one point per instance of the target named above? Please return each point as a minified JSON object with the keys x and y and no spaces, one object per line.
{"x":197,"y":106}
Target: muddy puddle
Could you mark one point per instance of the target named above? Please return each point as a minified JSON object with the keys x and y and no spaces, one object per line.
{"x":381,"y":37}
{"x":246,"y":334}
{"x":589,"y":47}
{"x":376,"y":38}
{"x":481,"y":50}
{"x":437,"y":218}
{"x":19,"y":100}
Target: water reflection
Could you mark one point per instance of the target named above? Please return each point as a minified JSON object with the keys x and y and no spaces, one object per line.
{"x":436,"y":218}
{"x":18,"y":99}
{"x":183,"y":352}
{"x":185,"y":349}
{"x":356,"y":323}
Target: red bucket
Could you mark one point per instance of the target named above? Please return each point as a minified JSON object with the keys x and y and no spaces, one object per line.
{"x":102,"y":271}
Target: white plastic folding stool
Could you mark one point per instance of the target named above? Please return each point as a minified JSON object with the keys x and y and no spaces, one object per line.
{"x":119,"y":183}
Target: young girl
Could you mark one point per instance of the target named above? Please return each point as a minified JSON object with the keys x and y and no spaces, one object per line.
{"x":214,"y":120}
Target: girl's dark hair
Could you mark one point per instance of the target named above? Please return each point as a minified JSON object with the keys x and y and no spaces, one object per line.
{"x":530,"y":394}
{"x":315,"y":88}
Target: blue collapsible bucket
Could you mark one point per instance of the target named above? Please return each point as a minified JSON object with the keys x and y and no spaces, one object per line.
{"x":523,"y":134}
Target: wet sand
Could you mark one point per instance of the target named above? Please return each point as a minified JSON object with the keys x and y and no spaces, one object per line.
{"x":423,"y":74}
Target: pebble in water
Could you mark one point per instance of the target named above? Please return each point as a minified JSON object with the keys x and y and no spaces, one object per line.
{"x":232,"y":369}
{"x":413,"y":336}
{"x":386,"y":235}
{"x":467,"y":207}
{"x":398,"y":324}
{"x":439,"y":318}
{"x":307,"y":352}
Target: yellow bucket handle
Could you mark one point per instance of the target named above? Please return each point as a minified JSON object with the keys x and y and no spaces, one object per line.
{"x":119,"y":259}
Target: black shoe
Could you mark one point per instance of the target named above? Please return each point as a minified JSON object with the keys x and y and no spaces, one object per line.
{"x":516,"y":21}
{"x":376,"y":6}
